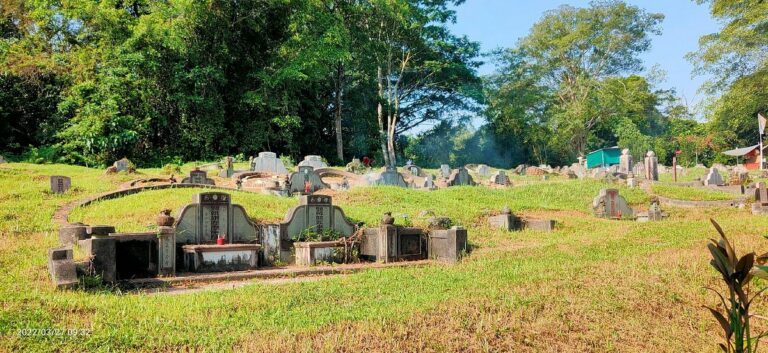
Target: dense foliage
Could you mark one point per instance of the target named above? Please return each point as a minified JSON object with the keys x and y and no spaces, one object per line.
{"x":89,"y":82}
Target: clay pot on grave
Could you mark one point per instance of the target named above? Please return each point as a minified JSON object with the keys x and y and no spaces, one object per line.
{"x":164,"y":219}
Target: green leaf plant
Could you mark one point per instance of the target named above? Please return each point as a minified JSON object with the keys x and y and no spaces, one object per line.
{"x":737,"y":272}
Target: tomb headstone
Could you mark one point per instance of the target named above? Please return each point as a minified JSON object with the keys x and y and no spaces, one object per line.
{"x":415,"y":170}
{"x":541,"y":225}
{"x":60,"y":184}
{"x":447,"y":245}
{"x":579,"y":170}
{"x":198,"y":176}
{"x":609,"y":204}
{"x":267,"y":162}
{"x":72,"y":233}
{"x":500,"y":178}
{"x":316,"y":213}
{"x":391,"y":177}
{"x":631,"y":181}
{"x":651,"y":166}
{"x":445,"y":171}
{"x":210,"y":215}
{"x":305,"y":181}
{"x":315,"y":162}
{"x":639,"y":170}
{"x":460,"y":176}
{"x":2,"y":160}
{"x":625,"y":161}
{"x":506,"y":220}
{"x":429,"y":183}
{"x":713,"y":178}
{"x":483,"y":170}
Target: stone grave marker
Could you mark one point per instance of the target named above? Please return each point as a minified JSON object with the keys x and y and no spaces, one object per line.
{"x":579,"y":170}
{"x":267,"y":162}
{"x":2,"y":160}
{"x":483,"y":170}
{"x":123,"y":165}
{"x":305,"y":181}
{"x":316,"y":213}
{"x":445,"y":171}
{"x":639,"y":170}
{"x":315,"y":162}
{"x":210,"y":215}
{"x":500,"y":178}
{"x":391,"y":177}
{"x":198,"y":176}
{"x":609,"y":204}
{"x":60,"y":184}
{"x":761,"y":199}
{"x":429,"y":182}
{"x":651,"y":166}
{"x":625,"y":161}
{"x":459,"y":177}
{"x":506,"y":220}
{"x":713,"y":178}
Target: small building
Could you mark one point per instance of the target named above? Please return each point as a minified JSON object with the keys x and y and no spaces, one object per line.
{"x":604,"y":157}
{"x":749,"y":156}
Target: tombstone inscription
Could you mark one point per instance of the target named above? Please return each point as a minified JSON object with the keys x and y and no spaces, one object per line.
{"x":60,"y":184}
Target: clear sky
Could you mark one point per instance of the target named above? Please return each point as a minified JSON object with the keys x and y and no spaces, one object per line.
{"x":500,"y":23}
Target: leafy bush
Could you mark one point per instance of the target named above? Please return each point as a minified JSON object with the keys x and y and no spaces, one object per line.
{"x":41,"y":155}
{"x":311,"y":234}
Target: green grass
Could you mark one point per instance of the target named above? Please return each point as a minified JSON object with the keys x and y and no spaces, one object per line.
{"x":592,"y":285}
{"x":690,"y":193}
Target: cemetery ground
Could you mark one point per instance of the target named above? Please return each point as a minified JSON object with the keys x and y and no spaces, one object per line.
{"x":592,"y":285}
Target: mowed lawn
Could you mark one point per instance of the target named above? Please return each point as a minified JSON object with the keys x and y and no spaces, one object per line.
{"x":591,"y":286}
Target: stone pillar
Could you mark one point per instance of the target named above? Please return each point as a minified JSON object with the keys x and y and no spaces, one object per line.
{"x":62,"y":268}
{"x":102,"y":252}
{"x":625,"y":162}
{"x":166,"y":251}
{"x":651,"y":166}
{"x":387,"y":246}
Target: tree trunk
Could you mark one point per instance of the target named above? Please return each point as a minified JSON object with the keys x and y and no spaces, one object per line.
{"x":339,"y":92}
{"x":380,"y":115}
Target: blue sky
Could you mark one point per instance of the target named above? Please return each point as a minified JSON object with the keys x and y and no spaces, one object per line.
{"x":500,"y":23}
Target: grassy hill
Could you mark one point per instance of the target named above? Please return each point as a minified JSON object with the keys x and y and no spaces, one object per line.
{"x":592,"y":285}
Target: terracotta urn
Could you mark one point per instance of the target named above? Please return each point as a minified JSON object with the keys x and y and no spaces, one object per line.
{"x":164,"y":219}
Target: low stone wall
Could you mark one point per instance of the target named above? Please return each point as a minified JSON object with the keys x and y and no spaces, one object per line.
{"x":694,"y":204}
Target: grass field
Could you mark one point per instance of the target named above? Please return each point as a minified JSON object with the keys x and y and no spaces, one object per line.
{"x":593,"y":285}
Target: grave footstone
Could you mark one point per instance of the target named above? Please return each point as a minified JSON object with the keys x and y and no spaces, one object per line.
{"x":505,"y":220}
{"x":60,"y":184}
{"x":651,"y":166}
{"x":123,"y":165}
{"x":305,"y":181}
{"x":315,"y":162}
{"x":460,"y":176}
{"x":267,"y":162}
{"x":761,"y":199}
{"x":609,"y":204}
{"x":541,"y":225}
{"x":713,"y":178}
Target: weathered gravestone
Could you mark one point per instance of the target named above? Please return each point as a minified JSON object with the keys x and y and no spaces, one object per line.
{"x":483,"y":170}
{"x":123,"y":165}
{"x":713,"y":178}
{"x":631,"y":181}
{"x":211,"y":215}
{"x":60,"y":184}
{"x":651,"y":166}
{"x":305,"y":181}
{"x":62,"y":268}
{"x":390,"y":177}
{"x":609,"y":204}
{"x":579,"y":170}
{"x":459,"y":177}
{"x":639,"y":170}
{"x":198,"y":176}
{"x":625,"y":162}
{"x":429,"y":183}
{"x":315,"y":162}
{"x":229,"y":168}
{"x":2,"y":160}
{"x":415,"y":171}
{"x":761,"y":199}
{"x":500,"y":178}
{"x":267,"y":162}
{"x":505,"y":220}
{"x":445,"y":171}
{"x":315,"y":213}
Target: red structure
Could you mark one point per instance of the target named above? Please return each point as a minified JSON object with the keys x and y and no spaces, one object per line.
{"x":749,"y":156}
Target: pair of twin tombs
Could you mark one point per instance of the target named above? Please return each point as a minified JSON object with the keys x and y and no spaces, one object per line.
{"x":213,"y":235}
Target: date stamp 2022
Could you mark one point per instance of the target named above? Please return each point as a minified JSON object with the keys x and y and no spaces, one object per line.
{"x":29,"y":332}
